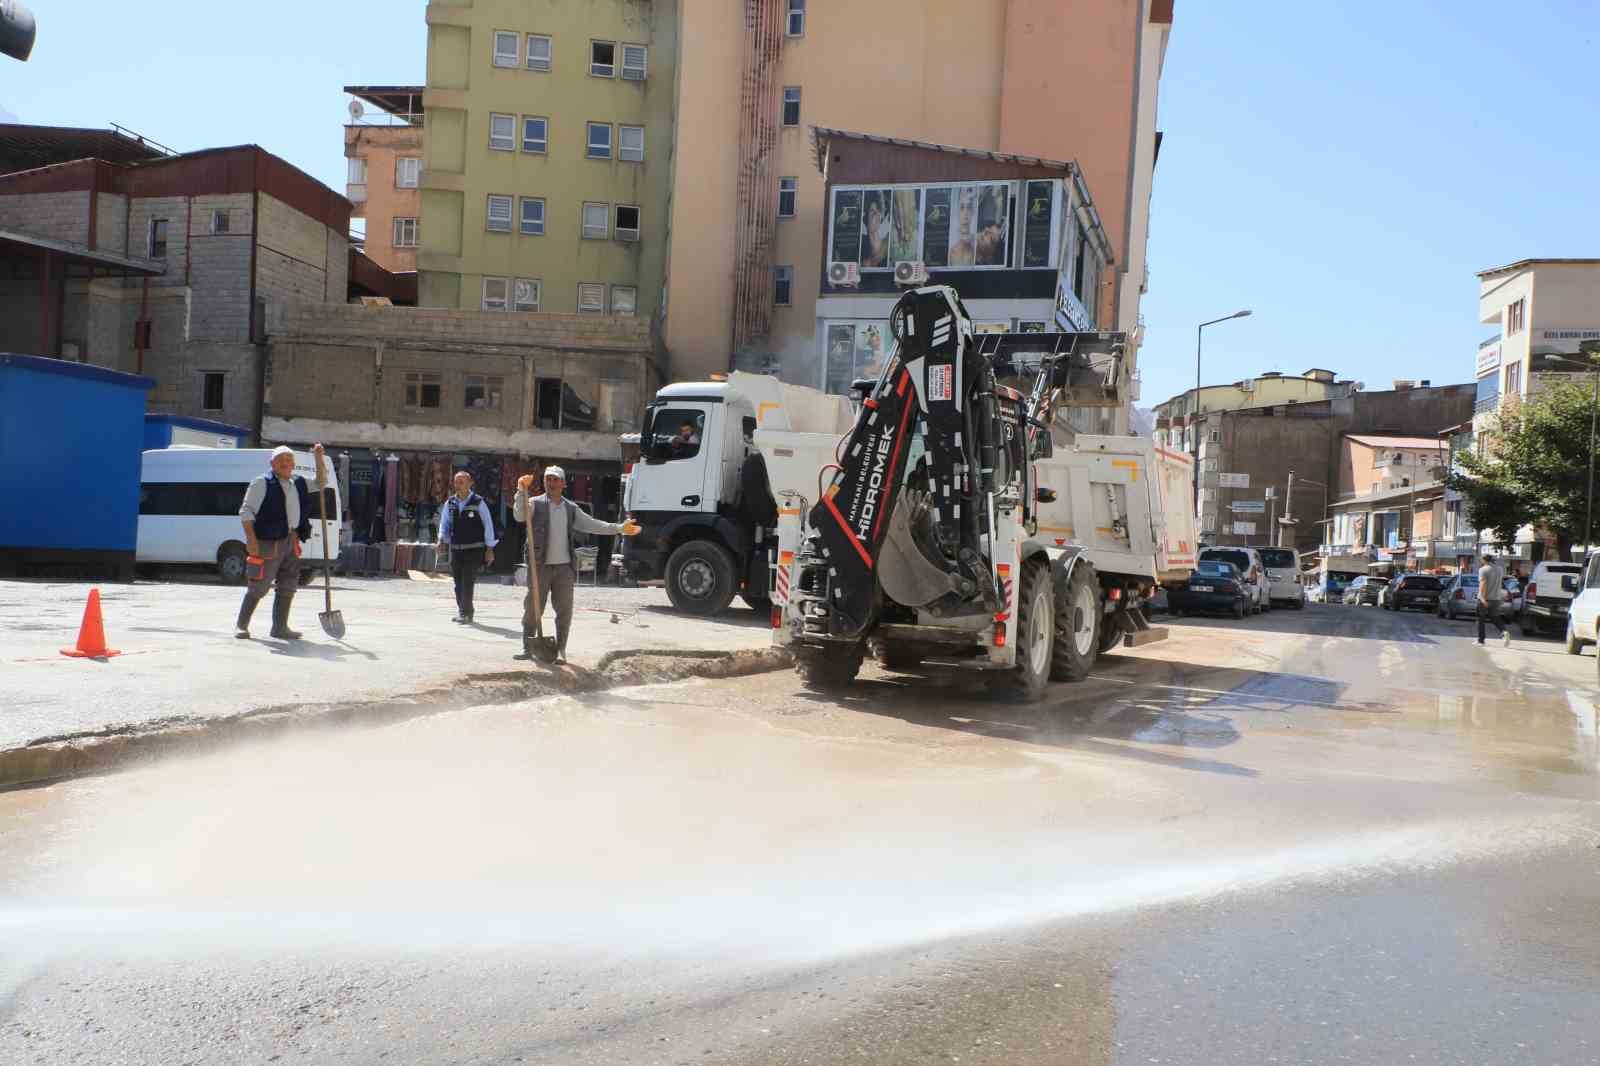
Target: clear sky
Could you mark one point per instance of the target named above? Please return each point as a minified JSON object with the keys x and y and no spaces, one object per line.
{"x":1342,"y":171}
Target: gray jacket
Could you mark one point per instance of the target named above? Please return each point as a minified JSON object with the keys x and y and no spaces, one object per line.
{"x":578,"y":521}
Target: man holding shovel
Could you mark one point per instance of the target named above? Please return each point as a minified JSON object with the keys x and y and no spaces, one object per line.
{"x":276,"y":515}
{"x":555,"y":523}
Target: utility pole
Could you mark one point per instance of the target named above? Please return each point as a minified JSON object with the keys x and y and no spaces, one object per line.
{"x":1288,"y":508}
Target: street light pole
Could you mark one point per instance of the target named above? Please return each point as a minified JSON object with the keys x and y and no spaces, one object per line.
{"x":1199,"y":336}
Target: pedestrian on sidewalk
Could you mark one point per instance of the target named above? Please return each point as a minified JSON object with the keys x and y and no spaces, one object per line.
{"x":1491,"y":589}
{"x":276,"y":515}
{"x":467,"y":527}
{"x":557,"y":521}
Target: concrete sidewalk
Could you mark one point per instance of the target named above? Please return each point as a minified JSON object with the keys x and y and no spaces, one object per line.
{"x":180,"y":663}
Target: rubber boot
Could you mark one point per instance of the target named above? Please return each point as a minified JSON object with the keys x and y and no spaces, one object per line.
{"x":280,"y":619}
{"x":561,"y":642}
{"x":241,"y":627}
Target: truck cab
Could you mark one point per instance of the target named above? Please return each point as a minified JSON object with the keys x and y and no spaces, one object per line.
{"x":700,"y":489}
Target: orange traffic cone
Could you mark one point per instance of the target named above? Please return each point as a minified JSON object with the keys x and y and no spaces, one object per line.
{"x":92,"y":634}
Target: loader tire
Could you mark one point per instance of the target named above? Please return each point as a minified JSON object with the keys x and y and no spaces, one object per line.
{"x":1078,"y":618}
{"x":829,"y":669}
{"x":1036,"y":633}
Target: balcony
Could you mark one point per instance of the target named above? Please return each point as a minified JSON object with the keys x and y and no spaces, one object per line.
{"x":356,"y":194}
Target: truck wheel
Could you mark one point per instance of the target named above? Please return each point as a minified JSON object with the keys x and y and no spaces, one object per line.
{"x":829,"y":668}
{"x":230,"y":563}
{"x":700,"y":577}
{"x":1036,"y":631}
{"x":1078,"y":620}
{"x":1574,"y":645}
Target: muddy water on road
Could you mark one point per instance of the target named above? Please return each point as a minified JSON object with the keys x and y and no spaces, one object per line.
{"x":751,"y":820}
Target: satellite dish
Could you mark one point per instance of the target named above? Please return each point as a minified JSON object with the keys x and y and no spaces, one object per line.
{"x":356,"y":110}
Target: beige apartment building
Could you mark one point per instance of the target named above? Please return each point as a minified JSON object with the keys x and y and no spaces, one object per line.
{"x":383,"y":146}
{"x":1045,"y":79}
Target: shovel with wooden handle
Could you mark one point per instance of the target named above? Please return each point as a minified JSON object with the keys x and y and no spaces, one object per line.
{"x":332,"y":621}
{"x":538,"y":646}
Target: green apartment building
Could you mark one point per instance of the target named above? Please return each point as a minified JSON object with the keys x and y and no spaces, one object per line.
{"x":548,"y":160}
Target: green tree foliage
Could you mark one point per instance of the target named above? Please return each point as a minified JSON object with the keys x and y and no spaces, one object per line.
{"x":1535,"y":469}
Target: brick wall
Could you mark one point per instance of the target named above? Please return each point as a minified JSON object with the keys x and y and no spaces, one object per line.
{"x":111,"y":223}
{"x":63,"y":216}
{"x":219,"y":269}
{"x":339,"y":373}
{"x":180,"y":380}
{"x":420,"y":324}
{"x":142,"y":211}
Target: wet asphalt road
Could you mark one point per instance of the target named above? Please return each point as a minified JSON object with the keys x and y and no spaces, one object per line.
{"x":1337,"y":835}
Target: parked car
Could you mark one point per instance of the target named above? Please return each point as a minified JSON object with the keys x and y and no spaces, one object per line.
{"x":1214,"y":586}
{"x":1547,"y":599}
{"x":1459,"y":597}
{"x":1413,"y":592}
{"x":1585,"y":610}
{"x":1248,"y":562}
{"x":1282,"y":569}
{"x":1364,"y":590}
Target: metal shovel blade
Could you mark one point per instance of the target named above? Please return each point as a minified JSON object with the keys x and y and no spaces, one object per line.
{"x":542,"y":648}
{"x":332,"y":623}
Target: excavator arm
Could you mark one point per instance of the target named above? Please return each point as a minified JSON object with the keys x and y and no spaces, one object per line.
{"x":935,"y":386}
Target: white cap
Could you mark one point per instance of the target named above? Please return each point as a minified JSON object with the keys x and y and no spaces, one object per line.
{"x":555,"y":471}
{"x":282,"y":449}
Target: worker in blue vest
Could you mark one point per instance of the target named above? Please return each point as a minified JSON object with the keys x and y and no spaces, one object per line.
{"x":276,"y":515}
{"x":467,"y":527}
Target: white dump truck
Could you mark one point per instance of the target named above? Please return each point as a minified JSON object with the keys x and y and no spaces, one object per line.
{"x":949,"y":529}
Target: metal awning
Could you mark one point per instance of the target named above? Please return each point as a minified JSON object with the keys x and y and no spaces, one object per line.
{"x":23,"y":256}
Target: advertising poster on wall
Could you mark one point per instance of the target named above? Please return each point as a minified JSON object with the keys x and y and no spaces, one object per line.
{"x":855,"y":350}
{"x":1039,"y":222}
{"x":963,"y":251}
{"x":936,"y":217}
{"x":876,"y":208}
{"x":846,"y":226}
{"x":905,"y":244}
{"x":994,"y":211}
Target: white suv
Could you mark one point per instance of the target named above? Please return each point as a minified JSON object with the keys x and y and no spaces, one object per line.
{"x":1248,"y":562}
{"x":1585,"y":609}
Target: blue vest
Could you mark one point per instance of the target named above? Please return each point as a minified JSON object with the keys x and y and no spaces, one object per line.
{"x":466,"y":522}
{"x":272,"y":520}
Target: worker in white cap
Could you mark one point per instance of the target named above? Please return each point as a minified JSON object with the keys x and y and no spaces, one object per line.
{"x":557,"y":521}
{"x":276,"y":515}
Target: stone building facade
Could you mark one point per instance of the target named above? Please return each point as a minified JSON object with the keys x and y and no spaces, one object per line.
{"x":393,"y":389}
{"x":228,"y":231}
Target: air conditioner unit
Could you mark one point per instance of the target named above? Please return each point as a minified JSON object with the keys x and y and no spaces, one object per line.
{"x":844,"y":274}
{"x":910,"y":273}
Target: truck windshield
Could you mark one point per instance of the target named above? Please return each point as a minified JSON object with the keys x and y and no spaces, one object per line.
{"x":674,"y":433}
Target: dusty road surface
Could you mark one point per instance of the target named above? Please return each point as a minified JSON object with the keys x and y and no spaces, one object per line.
{"x":1329,"y":836}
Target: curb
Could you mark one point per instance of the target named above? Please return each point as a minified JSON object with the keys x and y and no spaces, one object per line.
{"x":58,"y":758}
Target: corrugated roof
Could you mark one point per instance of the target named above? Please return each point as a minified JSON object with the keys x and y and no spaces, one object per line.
{"x":1521,"y":263}
{"x":25,"y":147}
{"x":1376,"y":441}
{"x":976,"y":153}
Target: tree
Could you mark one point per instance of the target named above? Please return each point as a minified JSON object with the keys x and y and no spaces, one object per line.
{"x":1535,"y":469}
